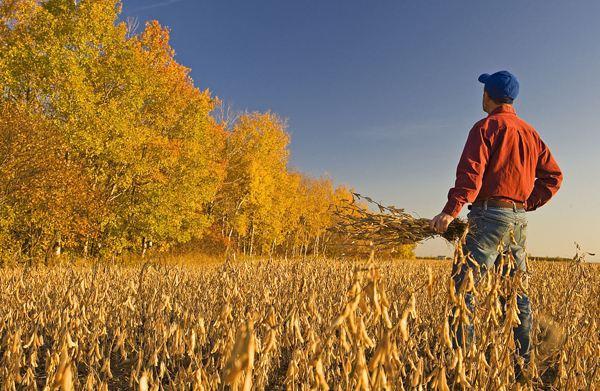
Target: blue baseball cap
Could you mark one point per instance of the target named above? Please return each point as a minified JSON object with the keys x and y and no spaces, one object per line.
{"x":500,"y":85}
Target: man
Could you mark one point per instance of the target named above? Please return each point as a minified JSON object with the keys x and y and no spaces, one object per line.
{"x":505,"y":170}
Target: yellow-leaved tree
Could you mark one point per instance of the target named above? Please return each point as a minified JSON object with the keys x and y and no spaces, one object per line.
{"x":251,"y":203}
{"x":109,"y":146}
{"x":128,"y":113}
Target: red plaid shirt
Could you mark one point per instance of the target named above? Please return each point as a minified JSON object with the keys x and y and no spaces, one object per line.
{"x":505,"y":158}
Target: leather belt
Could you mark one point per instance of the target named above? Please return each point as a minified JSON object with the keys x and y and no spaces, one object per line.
{"x":497,"y":203}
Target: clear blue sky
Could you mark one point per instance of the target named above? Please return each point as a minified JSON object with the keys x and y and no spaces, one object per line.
{"x":380,"y":95}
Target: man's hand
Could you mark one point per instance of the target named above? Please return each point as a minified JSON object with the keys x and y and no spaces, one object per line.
{"x":441,"y":222}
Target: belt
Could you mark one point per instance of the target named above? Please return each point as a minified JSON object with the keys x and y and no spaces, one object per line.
{"x":496,"y":203}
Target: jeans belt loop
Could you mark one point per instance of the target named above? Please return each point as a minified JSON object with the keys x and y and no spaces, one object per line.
{"x":514,"y":206}
{"x":485,"y":204}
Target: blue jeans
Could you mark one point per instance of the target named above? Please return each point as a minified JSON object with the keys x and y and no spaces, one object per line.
{"x":490,"y":227}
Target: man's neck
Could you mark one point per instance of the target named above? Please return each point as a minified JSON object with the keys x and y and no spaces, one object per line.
{"x":494,"y":107}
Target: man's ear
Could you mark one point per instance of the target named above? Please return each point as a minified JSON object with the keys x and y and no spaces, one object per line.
{"x":486,"y":99}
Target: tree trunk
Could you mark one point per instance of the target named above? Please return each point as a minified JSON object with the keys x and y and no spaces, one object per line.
{"x":252,"y":240}
{"x":271,"y":251}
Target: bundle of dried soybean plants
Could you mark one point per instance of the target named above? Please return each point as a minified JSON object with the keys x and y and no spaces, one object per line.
{"x":388,"y":228}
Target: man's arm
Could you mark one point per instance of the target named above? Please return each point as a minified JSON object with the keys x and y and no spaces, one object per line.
{"x":469,"y":177}
{"x":548,"y":179}
{"x":469,"y":173}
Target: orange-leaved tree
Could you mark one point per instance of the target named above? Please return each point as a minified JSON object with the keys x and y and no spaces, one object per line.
{"x":129,"y":114}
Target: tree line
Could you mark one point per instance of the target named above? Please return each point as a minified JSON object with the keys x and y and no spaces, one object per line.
{"x":108,"y":146}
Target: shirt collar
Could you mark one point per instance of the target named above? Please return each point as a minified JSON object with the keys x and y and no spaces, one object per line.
{"x":504,"y":109}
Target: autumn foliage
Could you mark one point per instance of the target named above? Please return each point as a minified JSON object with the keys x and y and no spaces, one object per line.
{"x":108,"y":146}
